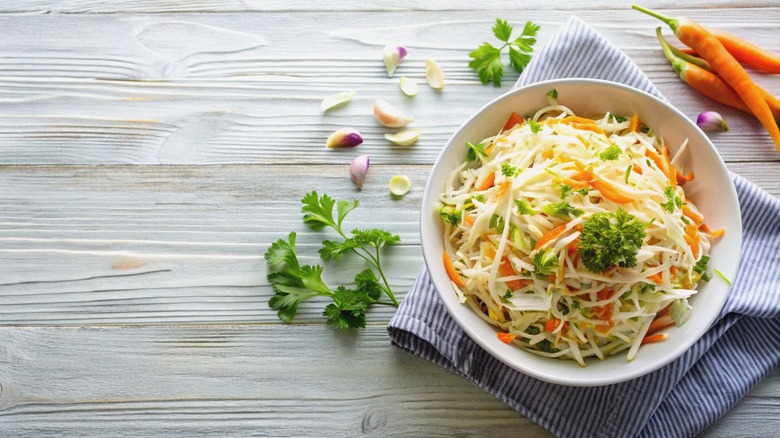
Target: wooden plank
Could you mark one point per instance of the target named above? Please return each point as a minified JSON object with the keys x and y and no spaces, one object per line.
{"x":171,"y":6}
{"x":244,"y":88}
{"x":236,"y":381}
{"x":267,"y":380}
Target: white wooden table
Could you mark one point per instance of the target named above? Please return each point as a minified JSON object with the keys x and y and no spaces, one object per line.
{"x":150,"y":151}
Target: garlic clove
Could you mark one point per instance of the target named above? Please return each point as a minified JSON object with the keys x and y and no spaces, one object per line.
{"x":434,"y":75}
{"x":389,"y":115}
{"x":393,"y":55}
{"x":710,"y":120}
{"x":408,"y":86}
{"x":404,"y":138}
{"x":358,"y":169}
{"x":400,"y":185}
{"x":338,"y":100}
{"x":344,"y":138}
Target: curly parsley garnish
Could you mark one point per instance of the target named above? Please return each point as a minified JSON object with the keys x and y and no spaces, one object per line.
{"x":610,"y":239}
{"x":486,"y":59}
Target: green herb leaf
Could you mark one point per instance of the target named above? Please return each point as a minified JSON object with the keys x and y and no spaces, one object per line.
{"x":535,"y":127}
{"x":545,"y":261}
{"x":450,"y":215}
{"x":552,"y":94}
{"x":475,"y":150}
{"x":562,"y":208}
{"x":611,"y":153}
{"x":672,"y":200}
{"x":524,"y":207}
{"x":610,"y":239}
{"x":509,"y":170}
{"x":701,"y":268}
{"x":486,"y":59}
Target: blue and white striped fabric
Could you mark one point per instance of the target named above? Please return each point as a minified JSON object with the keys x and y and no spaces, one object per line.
{"x":681,"y":399}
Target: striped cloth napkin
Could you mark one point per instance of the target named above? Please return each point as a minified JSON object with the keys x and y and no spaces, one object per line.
{"x":681,"y":399}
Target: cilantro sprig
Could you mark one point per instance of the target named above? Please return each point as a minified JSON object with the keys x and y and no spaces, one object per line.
{"x":486,"y":59}
{"x":294,"y":283}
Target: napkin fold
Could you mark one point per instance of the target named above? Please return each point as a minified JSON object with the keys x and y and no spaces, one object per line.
{"x":680,"y":399}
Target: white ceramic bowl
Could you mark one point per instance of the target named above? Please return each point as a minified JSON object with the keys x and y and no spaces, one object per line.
{"x":712,"y":191}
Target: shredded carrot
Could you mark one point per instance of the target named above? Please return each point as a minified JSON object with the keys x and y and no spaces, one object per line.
{"x":671,"y":172}
{"x":503,"y":188}
{"x":451,"y":270}
{"x":551,"y":324}
{"x":469,"y":220}
{"x":657,"y":277}
{"x":682,"y":179}
{"x":637,"y":169}
{"x":634,"y":125}
{"x":654,"y":338}
{"x":550,"y":236}
{"x":660,"y":323}
{"x":691,"y":234}
{"x":572,"y":247}
{"x":717,"y":233}
{"x":692,"y":215}
{"x":506,"y":270}
{"x":705,"y":228}
{"x":575,"y":184}
{"x":610,"y":192}
{"x":506,"y":337}
{"x":487,"y":182}
{"x":514,"y":119}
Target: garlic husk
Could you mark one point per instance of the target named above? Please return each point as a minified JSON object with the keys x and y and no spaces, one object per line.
{"x":400,"y":185}
{"x":404,"y":138}
{"x":338,"y":100}
{"x":408,"y":86}
{"x":434,"y":75}
{"x":393,"y":55}
{"x":344,"y":138}
{"x":358,"y":169}
{"x":389,"y":115}
{"x":711,"y":120}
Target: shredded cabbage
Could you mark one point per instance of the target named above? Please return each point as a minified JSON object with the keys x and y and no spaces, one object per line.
{"x":553,"y":170}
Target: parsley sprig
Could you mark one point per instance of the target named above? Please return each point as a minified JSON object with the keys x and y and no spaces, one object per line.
{"x":486,"y":59}
{"x":611,"y":239}
{"x":294,"y":283}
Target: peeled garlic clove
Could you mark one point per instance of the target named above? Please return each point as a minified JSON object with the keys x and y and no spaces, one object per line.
{"x":336,"y":101}
{"x":389,"y":115}
{"x":434,"y":75}
{"x":404,"y":138}
{"x":344,"y":138}
{"x":408,"y":86}
{"x":393,"y":55}
{"x":710,"y":120}
{"x":400,"y":185}
{"x":358,"y":169}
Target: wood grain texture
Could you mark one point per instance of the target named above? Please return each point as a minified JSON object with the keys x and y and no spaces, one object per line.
{"x":245,"y":88}
{"x":261,"y":380}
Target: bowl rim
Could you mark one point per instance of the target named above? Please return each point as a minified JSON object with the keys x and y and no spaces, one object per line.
{"x":430,"y":259}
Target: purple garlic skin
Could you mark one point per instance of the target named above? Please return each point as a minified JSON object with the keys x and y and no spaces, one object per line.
{"x":711,"y":120}
{"x":358,"y":169}
{"x":344,"y":138}
{"x":393,"y":55}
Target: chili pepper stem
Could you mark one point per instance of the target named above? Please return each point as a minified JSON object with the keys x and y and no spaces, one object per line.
{"x":672,"y":22}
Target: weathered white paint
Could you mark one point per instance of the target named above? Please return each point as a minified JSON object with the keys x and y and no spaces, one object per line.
{"x":151,"y":151}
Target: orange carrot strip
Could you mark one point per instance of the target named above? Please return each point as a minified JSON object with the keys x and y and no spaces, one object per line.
{"x":487,"y":182}
{"x":506,"y":270}
{"x":469,"y":220}
{"x":551,"y":324}
{"x":717,"y":233}
{"x":660,"y":323}
{"x":514,"y":119}
{"x":506,"y":337}
{"x":705,"y":228}
{"x":692,"y":215}
{"x":682,"y":179}
{"x":671,"y":172}
{"x":451,"y":270}
{"x":610,"y":192}
{"x":503,"y":188}
{"x":657,"y":277}
{"x":637,"y":169}
{"x":634,"y":125}
{"x":575,"y":184}
{"x":549,"y":236}
{"x":654,"y":338}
